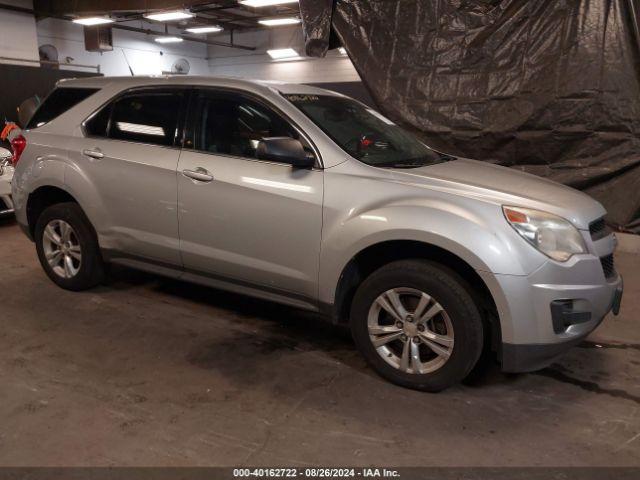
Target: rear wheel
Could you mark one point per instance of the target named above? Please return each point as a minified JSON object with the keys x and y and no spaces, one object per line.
{"x":68,"y":248}
{"x":417,"y":325}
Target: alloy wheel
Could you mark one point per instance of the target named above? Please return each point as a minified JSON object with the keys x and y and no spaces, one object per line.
{"x":410,"y":330}
{"x":62,"y":249}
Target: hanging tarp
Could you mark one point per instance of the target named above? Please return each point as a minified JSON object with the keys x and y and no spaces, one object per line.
{"x":547,"y":86}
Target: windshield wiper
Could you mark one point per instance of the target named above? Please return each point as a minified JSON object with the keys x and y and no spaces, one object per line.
{"x":402,"y":165}
{"x":409,"y":163}
{"x":415,"y":162}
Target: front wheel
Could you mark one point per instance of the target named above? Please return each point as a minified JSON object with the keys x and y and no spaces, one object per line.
{"x":417,"y":325}
{"x":68,"y":248}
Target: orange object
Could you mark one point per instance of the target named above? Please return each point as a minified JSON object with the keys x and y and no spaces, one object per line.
{"x":515,"y":216}
{"x":8,"y":128}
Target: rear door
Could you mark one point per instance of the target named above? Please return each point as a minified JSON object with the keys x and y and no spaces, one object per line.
{"x":130,"y":155}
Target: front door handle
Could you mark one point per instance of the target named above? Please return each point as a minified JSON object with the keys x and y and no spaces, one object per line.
{"x":199,"y":174}
{"x":95,"y":153}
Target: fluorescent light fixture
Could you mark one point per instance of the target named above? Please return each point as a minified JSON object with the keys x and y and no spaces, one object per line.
{"x":90,"y":21}
{"x":168,"y":16}
{"x":265,"y":3}
{"x":342,"y":51}
{"x":211,"y":29}
{"x":168,"y":39}
{"x":274,"y":22}
{"x":281,"y":53}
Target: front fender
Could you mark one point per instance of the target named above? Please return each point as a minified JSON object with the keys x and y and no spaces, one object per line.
{"x":477,"y":234}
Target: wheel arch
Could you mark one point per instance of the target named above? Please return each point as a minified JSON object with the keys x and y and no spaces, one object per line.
{"x":374,"y":256}
{"x":42,"y":198}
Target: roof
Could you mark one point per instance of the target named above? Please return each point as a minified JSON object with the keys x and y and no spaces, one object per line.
{"x":142,"y":81}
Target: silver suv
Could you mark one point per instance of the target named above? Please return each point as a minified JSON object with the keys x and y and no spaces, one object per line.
{"x":309,"y":198}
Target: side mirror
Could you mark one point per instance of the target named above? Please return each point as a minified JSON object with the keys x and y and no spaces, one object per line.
{"x":286,"y":150}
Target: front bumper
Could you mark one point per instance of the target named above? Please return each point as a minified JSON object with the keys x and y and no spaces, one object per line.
{"x":544,"y":314}
{"x":528,"y":358}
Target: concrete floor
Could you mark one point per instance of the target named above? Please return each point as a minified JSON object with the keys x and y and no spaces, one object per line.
{"x":148,"y":371}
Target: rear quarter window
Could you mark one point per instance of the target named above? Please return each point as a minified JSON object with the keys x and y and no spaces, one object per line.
{"x":58,"y":102}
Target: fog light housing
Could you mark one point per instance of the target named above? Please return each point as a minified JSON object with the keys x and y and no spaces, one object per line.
{"x":565,"y":313}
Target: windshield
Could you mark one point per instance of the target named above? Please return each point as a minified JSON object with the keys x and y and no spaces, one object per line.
{"x":364,"y":133}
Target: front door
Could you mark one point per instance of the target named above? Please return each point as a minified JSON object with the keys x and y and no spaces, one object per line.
{"x":244,"y":220}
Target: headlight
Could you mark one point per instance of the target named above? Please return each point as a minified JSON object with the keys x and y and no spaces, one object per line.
{"x":552,"y":235}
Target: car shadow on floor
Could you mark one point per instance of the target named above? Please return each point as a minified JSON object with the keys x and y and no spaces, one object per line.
{"x":279,"y":328}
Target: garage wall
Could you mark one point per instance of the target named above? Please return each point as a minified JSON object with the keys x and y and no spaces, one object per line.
{"x":257,"y":64}
{"x":21,"y":35}
{"x":22,"y":82}
{"x":18,"y":33}
{"x":145,"y":56}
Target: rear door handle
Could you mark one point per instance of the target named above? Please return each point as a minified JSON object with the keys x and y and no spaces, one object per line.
{"x":95,"y":153}
{"x":199,"y":174}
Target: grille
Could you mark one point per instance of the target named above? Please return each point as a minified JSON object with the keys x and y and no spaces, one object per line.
{"x":608,"y":266}
{"x":598,"y":229}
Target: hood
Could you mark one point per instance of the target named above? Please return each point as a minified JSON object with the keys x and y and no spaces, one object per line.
{"x":505,"y":186}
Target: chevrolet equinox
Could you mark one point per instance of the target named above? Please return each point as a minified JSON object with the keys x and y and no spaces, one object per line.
{"x":302,"y":196}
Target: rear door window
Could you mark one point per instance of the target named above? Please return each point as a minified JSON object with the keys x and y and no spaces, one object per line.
{"x":143,"y":116}
{"x":58,"y":102}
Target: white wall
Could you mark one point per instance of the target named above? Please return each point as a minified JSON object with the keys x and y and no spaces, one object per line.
{"x":18,"y":33}
{"x":257,"y":64}
{"x":20,"y":36}
{"x":141,"y":51}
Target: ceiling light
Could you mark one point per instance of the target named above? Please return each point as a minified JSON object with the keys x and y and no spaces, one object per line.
{"x":265,"y":3}
{"x":280,"y":53}
{"x":169,"y":16}
{"x":169,"y":39}
{"x":204,"y":29}
{"x":274,"y":22}
{"x":89,"y":21}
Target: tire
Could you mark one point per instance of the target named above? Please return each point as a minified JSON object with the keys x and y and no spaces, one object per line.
{"x":458,"y":327}
{"x":84,"y":272}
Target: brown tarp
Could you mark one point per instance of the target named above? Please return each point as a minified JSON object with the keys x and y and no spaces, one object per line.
{"x":551,"y":87}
